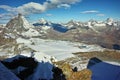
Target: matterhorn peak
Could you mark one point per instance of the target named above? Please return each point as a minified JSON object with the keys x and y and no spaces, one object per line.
{"x":71,"y":21}
{"x":19,"y":23}
{"x":20,"y":26}
{"x":19,"y":15}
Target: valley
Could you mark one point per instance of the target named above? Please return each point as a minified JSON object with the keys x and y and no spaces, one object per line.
{"x":67,"y":48}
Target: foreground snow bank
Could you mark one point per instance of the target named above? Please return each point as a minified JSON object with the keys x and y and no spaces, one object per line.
{"x":43,"y":69}
{"x":6,"y":74}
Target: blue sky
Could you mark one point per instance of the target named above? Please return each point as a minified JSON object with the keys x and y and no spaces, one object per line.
{"x":60,"y":10}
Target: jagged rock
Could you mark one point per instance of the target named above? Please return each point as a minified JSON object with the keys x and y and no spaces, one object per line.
{"x":71,"y":75}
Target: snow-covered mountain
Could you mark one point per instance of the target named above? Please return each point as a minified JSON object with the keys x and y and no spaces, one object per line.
{"x":30,"y":68}
{"x":20,"y":26}
{"x":104,"y":33}
{"x":41,"y":22}
{"x":72,"y":24}
{"x":19,"y":23}
{"x":49,"y":42}
{"x":56,"y":48}
{"x":45,"y":25}
{"x":91,"y":24}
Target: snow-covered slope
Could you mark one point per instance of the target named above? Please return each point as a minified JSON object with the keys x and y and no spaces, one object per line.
{"x":6,"y":74}
{"x":31,"y":32}
{"x":92,"y":24}
{"x":45,"y":25}
{"x":43,"y":70}
{"x":26,"y":24}
{"x":104,"y":71}
{"x":59,"y":49}
{"x":18,"y":23}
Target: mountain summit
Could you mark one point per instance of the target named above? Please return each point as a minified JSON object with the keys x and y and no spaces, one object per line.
{"x":20,"y":26}
{"x":19,"y":23}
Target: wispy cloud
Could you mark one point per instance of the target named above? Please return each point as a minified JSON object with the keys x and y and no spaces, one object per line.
{"x":7,"y":8}
{"x":64,"y":1}
{"x":49,"y":14}
{"x":90,"y":12}
{"x":1,"y":15}
{"x":64,"y":5}
{"x":6,"y":15}
{"x":95,"y":12}
{"x":30,"y":8}
{"x":101,"y":15}
{"x":35,"y":8}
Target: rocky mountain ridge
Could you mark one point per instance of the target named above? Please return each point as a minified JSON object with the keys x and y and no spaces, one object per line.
{"x":104,"y":33}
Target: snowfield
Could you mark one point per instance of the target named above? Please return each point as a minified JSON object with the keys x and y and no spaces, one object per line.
{"x":58,"y":49}
{"x":44,"y":68}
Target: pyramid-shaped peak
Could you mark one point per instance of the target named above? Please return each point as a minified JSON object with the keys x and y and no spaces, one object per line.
{"x":19,"y":23}
{"x":19,"y":14}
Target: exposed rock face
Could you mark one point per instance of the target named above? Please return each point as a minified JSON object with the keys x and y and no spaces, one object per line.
{"x":20,"y":27}
{"x":104,"y":33}
{"x":17,"y":24}
{"x":26,"y":68}
{"x":81,"y":75}
{"x":70,"y":74}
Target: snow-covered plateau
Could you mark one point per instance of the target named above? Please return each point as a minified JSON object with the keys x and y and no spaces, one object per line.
{"x":58,"y":49}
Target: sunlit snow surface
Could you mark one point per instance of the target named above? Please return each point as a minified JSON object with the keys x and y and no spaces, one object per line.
{"x":58,"y":49}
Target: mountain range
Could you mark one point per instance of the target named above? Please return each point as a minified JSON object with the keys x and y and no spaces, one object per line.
{"x":59,"y":48}
{"x":104,"y":33}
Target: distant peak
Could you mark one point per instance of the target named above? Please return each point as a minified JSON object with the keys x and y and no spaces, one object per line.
{"x":71,"y":21}
{"x":110,"y":19}
{"x":43,"y":21}
{"x":19,"y":14}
